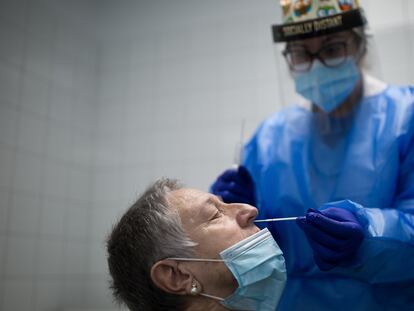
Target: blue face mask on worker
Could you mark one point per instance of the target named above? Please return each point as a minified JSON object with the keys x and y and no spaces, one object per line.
{"x":328,"y":87}
{"x":258,"y":265}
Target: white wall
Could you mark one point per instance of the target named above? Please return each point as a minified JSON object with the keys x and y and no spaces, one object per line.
{"x":99,"y":98}
{"x":48,"y":98}
{"x":176,"y":79}
{"x":393,"y":44}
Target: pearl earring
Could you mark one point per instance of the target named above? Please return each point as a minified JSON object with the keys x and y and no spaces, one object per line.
{"x":194,"y":289}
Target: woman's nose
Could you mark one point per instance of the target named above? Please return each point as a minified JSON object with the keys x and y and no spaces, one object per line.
{"x":246,"y":214}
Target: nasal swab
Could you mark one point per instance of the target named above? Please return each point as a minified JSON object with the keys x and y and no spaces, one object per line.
{"x":279,"y":219}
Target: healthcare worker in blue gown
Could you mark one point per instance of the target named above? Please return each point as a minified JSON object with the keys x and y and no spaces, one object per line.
{"x":344,"y":160}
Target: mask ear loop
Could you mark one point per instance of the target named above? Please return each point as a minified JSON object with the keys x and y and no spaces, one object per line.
{"x":211,"y":297}
{"x":195,"y":259}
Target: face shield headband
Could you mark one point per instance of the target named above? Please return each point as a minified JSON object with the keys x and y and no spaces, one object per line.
{"x":319,"y":26}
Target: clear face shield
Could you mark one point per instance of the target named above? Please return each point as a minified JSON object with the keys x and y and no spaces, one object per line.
{"x":291,"y":60}
{"x":370,"y":62}
{"x":324,"y":73}
{"x":286,"y":86}
{"x":324,"y":70}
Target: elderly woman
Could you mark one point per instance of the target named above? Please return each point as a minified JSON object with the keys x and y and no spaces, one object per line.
{"x":183,"y":249}
{"x":344,"y":157}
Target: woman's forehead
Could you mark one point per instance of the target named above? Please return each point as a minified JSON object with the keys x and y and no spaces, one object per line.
{"x":187,"y":200}
{"x":187,"y":195}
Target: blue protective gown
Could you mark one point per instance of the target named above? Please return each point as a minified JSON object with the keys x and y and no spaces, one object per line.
{"x":300,"y":159}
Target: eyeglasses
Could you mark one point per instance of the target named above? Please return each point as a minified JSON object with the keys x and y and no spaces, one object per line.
{"x":331,"y":55}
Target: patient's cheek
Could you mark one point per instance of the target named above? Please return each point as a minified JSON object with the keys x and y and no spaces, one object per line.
{"x":227,"y":279}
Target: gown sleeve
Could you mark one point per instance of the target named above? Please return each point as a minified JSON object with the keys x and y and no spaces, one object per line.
{"x":387,"y":253}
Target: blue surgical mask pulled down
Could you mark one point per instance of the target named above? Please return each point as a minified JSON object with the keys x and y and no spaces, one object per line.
{"x":258,"y":265}
{"x":328,"y":87}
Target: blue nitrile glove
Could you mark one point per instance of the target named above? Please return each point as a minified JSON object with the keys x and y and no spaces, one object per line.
{"x":235,"y":185}
{"x":334,"y":234}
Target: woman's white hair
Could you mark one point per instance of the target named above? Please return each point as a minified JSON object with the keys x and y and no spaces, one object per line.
{"x":149,"y":231}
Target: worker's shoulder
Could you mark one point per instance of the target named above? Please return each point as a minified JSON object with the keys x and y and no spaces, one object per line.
{"x":395,"y":107}
{"x":395,"y":103}
{"x":400,"y":96}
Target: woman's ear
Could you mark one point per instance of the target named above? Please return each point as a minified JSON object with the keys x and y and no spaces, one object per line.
{"x":171,"y":277}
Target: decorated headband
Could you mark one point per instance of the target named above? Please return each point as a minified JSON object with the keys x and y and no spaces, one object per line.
{"x":305,"y":19}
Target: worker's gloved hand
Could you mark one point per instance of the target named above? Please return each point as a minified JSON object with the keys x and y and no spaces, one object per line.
{"x":334,"y":234}
{"x":235,"y":185}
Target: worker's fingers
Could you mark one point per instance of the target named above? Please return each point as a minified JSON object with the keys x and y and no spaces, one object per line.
{"x":324,"y":238}
{"x":229,"y":175}
{"x":340,"y":229}
{"x":244,"y":174}
{"x":235,"y":187}
{"x":338,"y":214}
{"x":235,"y":175}
{"x":327,"y":254}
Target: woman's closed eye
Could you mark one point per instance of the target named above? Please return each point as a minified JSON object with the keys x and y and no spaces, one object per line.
{"x":217,"y":215}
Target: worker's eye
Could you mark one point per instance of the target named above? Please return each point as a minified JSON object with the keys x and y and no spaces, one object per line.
{"x":333,"y":51}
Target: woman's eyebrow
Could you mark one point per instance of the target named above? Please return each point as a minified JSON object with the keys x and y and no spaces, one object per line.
{"x":211,"y":201}
{"x":206,"y":210}
{"x":207,"y":202}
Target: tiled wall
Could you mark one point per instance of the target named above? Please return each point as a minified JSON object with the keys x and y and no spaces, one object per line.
{"x":47,"y":116}
{"x":89,"y":117}
{"x":177,"y":78}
